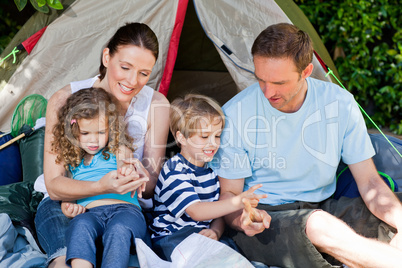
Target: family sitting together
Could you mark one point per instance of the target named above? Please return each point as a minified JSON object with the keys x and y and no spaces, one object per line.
{"x":104,"y":165}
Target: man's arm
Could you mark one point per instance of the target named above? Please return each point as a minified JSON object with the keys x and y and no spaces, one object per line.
{"x":241,"y":220}
{"x":378,"y":197}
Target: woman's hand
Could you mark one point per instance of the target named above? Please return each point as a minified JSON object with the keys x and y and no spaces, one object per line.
{"x":115,"y":182}
{"x":70,"y":209}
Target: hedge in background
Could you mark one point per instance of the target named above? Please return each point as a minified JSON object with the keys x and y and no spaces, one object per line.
{"x":365,"y":39}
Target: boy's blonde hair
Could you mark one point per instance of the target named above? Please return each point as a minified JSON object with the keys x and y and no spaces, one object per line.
{"x":186,"y":114}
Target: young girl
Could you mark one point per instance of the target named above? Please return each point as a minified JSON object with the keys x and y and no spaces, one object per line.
{"x":187,"y":191}
{"x":126,"y":64}
{"x":89,"y":140}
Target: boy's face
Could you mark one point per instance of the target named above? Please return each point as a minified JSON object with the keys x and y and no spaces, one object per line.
{"x":203,"y":145}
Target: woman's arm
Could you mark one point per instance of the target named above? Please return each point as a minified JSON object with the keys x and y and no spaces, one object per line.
{"x":155,"y":140}
{"x":59,"y":186}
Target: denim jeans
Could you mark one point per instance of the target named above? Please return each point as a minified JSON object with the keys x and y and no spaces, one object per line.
{"x":164,"y":246}
{"x":51,"y":226}
{"x":115,"y":226}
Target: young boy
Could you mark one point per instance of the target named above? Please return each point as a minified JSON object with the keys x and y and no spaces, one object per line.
{"x":187,"y":191}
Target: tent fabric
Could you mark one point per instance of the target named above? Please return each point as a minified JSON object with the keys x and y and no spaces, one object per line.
{"x":298,"y":18}
{"x":36,"y":22}
{"x":173,"y":47}
{"x":30,"y":43}
{"x":233,"y":26}
{"x":70,"y":48}
{"x":386,"y":159}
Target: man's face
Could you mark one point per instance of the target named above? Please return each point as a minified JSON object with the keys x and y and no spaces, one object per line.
{"x":282,"y":85}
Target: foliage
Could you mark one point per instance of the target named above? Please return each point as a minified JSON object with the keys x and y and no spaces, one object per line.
{"x":365,"y":37}
{"x":13,"y":16}
{"x":8,"y":28}
{"x":40,"y":5}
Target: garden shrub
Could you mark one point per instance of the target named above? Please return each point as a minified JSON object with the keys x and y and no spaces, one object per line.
{"x":365,"y":39}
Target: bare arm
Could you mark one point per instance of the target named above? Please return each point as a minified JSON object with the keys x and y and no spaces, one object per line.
{"x":155,"y":140}
{"x":241,"y":220}
{"x":202,"y":211}
{"x":215,"y":230}
{"x":55,"y":174}
{"x":58,"y":185}
{"x":218,"y":226}
{"x":380,"y":200}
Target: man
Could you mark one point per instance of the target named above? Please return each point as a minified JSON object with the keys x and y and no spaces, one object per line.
{"x":289,"y":132}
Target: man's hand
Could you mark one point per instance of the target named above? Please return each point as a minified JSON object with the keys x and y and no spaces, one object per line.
{"x":70,"y":210}
{"x":253,"y":221}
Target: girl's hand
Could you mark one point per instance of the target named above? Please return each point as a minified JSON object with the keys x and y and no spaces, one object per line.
{"x":209,"y":233}
{"x":70,"y":210}
{"x":140,"y":171}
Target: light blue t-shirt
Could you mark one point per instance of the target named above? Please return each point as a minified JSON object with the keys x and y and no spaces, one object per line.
{"x":294,"y":155}
{"x":98,"y":168}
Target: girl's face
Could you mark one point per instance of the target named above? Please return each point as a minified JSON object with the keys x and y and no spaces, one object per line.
{"x":94,"y":134}
{"x":202,"y":146}
{"x":128,"y":71}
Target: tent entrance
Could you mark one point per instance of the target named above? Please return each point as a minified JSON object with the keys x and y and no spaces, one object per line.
{"x":198,"y":67}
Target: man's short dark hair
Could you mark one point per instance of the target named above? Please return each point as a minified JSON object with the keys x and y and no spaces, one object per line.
{"x":284,"y":40}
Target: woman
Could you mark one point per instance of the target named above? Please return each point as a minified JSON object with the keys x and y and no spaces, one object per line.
{"x":126,"y":66}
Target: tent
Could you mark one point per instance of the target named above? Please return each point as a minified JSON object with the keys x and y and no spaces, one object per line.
{"x":204,"y":45}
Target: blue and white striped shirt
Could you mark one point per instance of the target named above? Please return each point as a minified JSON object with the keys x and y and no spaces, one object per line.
{"x":179,"y":185}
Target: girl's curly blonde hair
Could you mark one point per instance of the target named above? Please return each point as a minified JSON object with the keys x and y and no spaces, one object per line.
{"x":88,"y":103}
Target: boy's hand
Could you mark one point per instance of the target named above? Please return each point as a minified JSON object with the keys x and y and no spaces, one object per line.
{"x":252,"y":198}
{"x":209,"y":233}
{"x":70,"y":210}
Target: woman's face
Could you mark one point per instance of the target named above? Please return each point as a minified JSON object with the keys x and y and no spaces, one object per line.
{"x":128,"y":71}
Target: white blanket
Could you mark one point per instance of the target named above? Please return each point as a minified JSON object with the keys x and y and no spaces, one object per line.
{"x":196,"y":251}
